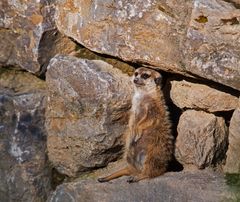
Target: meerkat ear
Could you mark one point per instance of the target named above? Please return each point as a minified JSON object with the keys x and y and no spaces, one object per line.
{"x":158,"y":80}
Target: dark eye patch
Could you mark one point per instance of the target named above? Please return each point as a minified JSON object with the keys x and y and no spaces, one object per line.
{"x":145,"y":76}
{"x":136,"y":73}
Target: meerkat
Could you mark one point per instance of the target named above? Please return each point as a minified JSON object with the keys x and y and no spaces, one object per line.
{"x":149,"y":142}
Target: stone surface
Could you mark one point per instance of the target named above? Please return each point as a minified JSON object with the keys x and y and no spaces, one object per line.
{"x":201,"y":140}
{"x":24,"y":170}
{"x":87,"y":113}
{"x":172,"y":187}
{"x":144,"y":31}
{"x":187,"y":95}
{"x":233,"y":157}
{"x":28,"y":36}
{"x":212,"y":47}
{"x":199,"y":37}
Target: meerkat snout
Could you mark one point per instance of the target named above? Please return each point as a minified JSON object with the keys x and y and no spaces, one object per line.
{"x":135,"y":80}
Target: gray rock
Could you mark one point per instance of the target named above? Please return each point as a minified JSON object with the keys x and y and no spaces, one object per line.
{"x":187,"y":95}
{"x":233,"y":157}
{"x":199,"y":37}
{"x":87,"y":113}
{"x":201,"y":140}
{"x":24,"y":170}
{"x":171,"y":187}
{"x":28,"y":35}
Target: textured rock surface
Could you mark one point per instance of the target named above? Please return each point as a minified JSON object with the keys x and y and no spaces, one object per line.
{"x":198,"y":37}
{"x":132,"y":30}
{"x":87,"y":113}
{"x":233,"y":157}
{"x":198,"y":96}
{"x":212,"y":47}
{"x":24,"y":172}
{"x":28,"y":35}
{"x":201,"y":140}
{"x":184,"y":186}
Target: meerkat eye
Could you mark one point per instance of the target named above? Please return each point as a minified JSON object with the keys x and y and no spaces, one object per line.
{"x":136,"y":73}
{"x":145,"y":76}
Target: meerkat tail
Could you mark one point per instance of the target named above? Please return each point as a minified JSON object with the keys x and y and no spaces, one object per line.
{"x":117,"y":174}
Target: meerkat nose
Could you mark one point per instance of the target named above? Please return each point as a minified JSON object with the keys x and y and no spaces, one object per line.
{"x":135,"y":80}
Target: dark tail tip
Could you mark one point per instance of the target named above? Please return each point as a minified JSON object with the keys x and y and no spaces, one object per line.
{"x":102,"y":180}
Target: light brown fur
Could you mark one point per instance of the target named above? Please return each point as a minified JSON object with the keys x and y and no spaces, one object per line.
{"x":149,"y":143}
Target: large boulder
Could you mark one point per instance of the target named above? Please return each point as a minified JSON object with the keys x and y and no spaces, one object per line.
{"x":172,"y":187}
{"x":28,"y":35}
{"x":210,"y":49}
{"x":24,"y":169}
{"x":132,"y":30}
{"x":87,"y":113}
{"x":233,"y":157}
{"x":187,"y":95}
{"x":202,"y":139}
{"x":195,"y":37}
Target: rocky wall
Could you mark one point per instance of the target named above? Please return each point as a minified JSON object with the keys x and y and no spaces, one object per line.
{"x":65,"y":96}
{"x":198,"y":37}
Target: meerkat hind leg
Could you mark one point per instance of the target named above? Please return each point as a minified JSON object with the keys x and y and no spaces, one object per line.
{"x":117,"y":174}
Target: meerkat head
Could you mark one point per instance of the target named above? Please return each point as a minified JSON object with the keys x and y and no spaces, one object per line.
{"x":146,"y":79}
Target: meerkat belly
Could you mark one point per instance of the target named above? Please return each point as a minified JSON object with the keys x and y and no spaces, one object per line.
{"x":134,"y":119}
{"x":136,"y":102}
{"x":137,"y":153}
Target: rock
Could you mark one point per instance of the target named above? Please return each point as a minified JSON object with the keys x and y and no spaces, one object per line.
{"x":24,"y":170}
{"x":211,"y":50}
{"x":201,"y":140}
{"x":233,"y":158}
{"x":139,"y":31}
{"x":187,"y":95}
{"x":87,"y":113}
{"x":28,"y":35}
{"x":193,"y":38}
{"x":183,"y":186}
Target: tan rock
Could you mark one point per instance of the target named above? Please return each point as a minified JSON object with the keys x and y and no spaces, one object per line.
{"x":187,"y":95}
{"x":143,"y":31}
{"x":28,"y":35}
{"x":197,"y":37}
{"x":233,"y":157}
{"x":201,"y":140}
{"x":212,"y":47}
{"x":87,"y":113}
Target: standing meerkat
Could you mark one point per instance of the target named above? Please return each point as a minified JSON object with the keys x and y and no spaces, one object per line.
{"x":149,"y":142}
